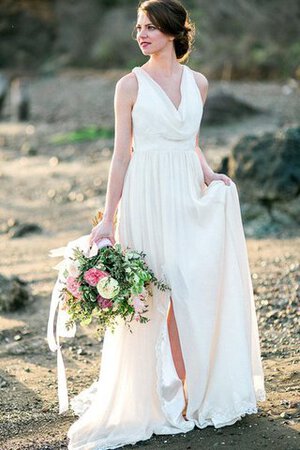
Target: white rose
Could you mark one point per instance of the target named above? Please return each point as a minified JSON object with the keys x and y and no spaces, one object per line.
{"x":108,"y":287}
{"x":73,"y":268}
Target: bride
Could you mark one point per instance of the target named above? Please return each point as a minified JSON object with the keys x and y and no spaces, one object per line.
{"x":197,"y":361}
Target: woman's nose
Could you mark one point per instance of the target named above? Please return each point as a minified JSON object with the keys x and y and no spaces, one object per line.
{"x":143,"y":33}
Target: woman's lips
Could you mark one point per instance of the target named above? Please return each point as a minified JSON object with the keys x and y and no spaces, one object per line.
{"x":144,"y":44}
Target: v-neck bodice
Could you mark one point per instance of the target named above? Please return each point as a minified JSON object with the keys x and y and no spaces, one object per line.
{"x":163,"y":90}
{"x":157,"y":123}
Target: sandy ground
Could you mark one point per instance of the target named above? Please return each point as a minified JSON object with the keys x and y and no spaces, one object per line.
{"x":60,"y":188}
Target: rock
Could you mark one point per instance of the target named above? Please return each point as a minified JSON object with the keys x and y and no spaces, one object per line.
{"x":261,"y":227}
{"x":3,"y":383}
{"x":251,"y":211}
{"x":28,"y":149}
{"x":4,"y":85}
{"x":20,"y":104}
{"x":24,"y":229}
{"x":13,"y":293}
{"x":224,"y":166}
{"x":17,"y":337}
{"x":81,"y":351}
{"x":266,"y":169}
{"x":6,"y":226}
{"x":222,"y":107}
{"x":290,"y":209}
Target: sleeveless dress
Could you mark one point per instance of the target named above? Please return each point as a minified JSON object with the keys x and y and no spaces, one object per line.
{"x":193,"y":238}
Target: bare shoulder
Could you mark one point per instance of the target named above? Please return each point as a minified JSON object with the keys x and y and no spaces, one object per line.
{"x":202,"y":83}
{"x":127,"y":87}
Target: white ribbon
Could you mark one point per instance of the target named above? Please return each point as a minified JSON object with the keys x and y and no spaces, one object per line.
{"x":62,"y":316}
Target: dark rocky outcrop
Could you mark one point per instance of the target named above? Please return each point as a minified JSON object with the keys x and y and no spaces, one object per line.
{"x":24,"y":229}
{"x":15,"y":229}
{"x":266,"y":169}
{"x":221,"y":108}
{"x":19,"y":100}
{"x":4,"y":86}
{"x":14,"y":294}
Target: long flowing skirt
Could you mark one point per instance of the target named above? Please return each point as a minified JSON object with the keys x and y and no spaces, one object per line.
{"x":193,"y":239}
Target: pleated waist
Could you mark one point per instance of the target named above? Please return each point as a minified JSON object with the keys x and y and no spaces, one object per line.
{"x":153,"y":146}
{"x":164,"y":151}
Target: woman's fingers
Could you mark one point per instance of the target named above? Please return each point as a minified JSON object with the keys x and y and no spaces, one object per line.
{"x":97,"y":238}
{"x":224,"y":178}
{"x":98,"y":233}
{"x":91,"y":240}
{"x":92,"y":236}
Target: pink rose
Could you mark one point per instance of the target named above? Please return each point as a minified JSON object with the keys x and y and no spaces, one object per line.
{"x":104,"y":302}
{"x":92,"y":276}
{"x":73,"y":286}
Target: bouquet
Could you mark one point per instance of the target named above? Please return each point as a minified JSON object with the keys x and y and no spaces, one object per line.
{"x":105,"y":284}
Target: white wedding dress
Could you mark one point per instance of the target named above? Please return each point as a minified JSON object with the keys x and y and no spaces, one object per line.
{"x":193,"y":238}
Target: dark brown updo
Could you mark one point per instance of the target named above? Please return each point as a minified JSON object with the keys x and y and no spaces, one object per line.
{"x":171,"y":18}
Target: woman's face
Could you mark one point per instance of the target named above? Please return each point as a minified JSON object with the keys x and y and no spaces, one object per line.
{"x":150,"y":39}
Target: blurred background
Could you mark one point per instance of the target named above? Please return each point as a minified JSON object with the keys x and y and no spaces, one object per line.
{"x":59,"y":64}
{"x":236,"y":39}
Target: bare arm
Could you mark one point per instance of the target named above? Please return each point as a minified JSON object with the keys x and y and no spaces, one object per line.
{"x":125,"y":93}
{"x":207,"y":170}
{"x":122,"y":146}
{"x":209,"y":174}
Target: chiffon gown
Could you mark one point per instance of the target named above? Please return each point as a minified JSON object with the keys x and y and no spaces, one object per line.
{"x":193,"y":239}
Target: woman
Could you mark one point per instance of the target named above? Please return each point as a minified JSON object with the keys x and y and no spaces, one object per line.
{"x":197,"y":361}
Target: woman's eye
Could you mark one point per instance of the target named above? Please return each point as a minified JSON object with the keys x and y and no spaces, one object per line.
{"x":150,"y":27}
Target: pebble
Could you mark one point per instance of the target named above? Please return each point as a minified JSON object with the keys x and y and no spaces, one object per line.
{"x":53,"y":161}
{"x":17,"y":337}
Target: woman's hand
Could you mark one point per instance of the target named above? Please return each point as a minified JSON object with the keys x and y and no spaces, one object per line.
{"x":104,"y":229}
{"x":217,"y":176}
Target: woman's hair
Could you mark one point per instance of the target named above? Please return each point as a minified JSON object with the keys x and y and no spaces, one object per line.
{"x":171,"y":18}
